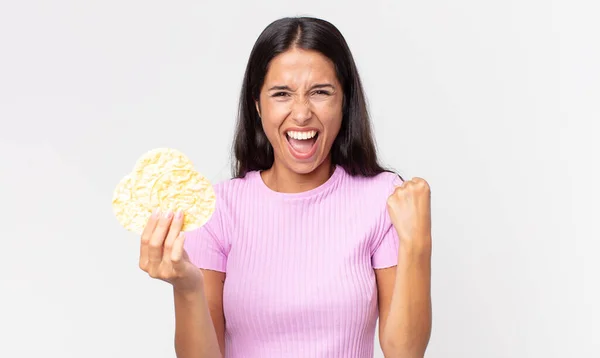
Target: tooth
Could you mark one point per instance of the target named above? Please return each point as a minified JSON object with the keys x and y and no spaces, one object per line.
{"x":302,"y":135}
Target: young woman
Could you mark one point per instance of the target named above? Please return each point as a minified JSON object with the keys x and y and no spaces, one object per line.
{"x":312,"y":240}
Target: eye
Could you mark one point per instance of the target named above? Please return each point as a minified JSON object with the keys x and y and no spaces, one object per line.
{"x":279,"y":94}
{"x":321,"y":93}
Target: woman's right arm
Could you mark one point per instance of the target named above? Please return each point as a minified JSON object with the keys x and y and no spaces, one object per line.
{"x":199,"y":322}
{"x":199,"y":319}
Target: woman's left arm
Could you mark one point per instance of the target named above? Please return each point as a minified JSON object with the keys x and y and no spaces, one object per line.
{"x":405,"y":290}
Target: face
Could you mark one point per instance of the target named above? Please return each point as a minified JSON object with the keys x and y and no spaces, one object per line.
{"x":301,"y":109}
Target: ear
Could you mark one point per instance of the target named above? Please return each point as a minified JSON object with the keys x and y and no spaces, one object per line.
{"x":257,"y":104}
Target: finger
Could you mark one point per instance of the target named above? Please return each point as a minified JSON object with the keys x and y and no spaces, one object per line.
{"x":399,"y":188}
{"x":147,"y":234}
{"x":177,"y":253}
{"x":174,"y":231}
{"x":158,"y":237}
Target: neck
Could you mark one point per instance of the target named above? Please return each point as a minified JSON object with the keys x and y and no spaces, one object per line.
{"x":281,"y":179}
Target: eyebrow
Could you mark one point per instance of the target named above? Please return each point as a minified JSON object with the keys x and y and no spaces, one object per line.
{"x":286,"y":88}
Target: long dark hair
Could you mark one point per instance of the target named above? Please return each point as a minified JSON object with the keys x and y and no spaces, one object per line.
{"x":354,"y":148}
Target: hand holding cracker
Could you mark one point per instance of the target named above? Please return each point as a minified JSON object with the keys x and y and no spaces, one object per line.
{"x":162,"y":197}
{"x":162,"y":255}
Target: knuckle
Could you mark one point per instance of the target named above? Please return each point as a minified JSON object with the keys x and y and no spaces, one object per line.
{"x":391,"y":202}
{"x":155,"y":272}
{"x":155,"y":245}
{"x":421,"y":182}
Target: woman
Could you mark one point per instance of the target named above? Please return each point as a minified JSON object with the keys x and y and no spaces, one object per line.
{"x":312,"y":240}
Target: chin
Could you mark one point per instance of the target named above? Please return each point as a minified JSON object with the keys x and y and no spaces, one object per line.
{"x":302,"y":167}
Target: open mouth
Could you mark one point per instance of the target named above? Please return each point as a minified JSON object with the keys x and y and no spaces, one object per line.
{"x":302,"y":144}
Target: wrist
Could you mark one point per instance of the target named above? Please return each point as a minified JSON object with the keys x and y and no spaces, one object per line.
{"x":189,"y":293}
{"x":418,"y":247}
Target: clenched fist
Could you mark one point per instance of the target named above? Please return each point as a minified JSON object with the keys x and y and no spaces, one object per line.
{"x":409,"y":208}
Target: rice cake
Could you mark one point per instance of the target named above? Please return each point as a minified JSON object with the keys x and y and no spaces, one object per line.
{"x":185,"y":190}
{"x":130,"y":212}
{"x":164,"y":178}
{"x":152,"y":165}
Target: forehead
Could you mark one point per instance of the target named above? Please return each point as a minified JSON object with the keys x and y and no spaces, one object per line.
{"x":299,"y":67}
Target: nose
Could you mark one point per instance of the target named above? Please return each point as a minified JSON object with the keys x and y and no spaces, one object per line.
{"x":301,"y":112}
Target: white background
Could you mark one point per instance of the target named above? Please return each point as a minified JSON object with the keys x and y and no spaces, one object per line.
{"x":495,"y":103}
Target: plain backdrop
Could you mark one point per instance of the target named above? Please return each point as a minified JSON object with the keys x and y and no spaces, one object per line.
{"x":495,"y":103}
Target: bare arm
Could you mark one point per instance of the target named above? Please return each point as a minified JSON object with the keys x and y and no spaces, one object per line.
{"x":405,"y":305}
{"x":199,"y":321}
{"x":406,"y":290}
